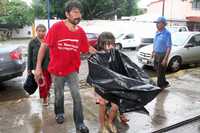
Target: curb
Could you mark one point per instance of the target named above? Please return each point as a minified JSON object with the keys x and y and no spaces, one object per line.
{"x":182,"y":123}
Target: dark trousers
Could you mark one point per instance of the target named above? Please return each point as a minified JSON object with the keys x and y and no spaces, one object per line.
{"x":160,"y":69}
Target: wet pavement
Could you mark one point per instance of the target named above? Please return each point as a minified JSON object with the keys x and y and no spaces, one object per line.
{"x":20,"y":113}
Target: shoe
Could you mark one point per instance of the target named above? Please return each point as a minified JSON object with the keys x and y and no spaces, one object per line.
{"x":167,"y":84}
{"x":83,"y":129}
{"x":60,"y":118}
{"x":104,"y":130}
{"x":112,"y":128}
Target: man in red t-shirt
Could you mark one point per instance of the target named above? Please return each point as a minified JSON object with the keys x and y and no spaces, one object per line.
{"x":66,"y":40}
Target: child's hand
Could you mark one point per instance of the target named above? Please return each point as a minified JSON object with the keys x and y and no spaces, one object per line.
{"x":92,"y":50}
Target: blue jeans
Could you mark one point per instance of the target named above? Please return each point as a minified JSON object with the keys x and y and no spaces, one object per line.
{"x":73,"y":84}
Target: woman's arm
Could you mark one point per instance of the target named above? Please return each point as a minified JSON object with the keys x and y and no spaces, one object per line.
{"x":30,"y":57}
{"x":40,"y":58}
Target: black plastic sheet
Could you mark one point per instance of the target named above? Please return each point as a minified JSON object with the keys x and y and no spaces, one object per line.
{"x":117,"y":79}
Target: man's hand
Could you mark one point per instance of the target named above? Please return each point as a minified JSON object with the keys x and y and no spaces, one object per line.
{"x":164,"y":62}
{"x":152,"y":55}
{"x":38,"y":74}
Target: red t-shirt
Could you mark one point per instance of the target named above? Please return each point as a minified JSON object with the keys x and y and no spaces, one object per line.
{"x":65,"y":47}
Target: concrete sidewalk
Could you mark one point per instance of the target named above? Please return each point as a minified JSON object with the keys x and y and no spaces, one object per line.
{"x":173,"y":105}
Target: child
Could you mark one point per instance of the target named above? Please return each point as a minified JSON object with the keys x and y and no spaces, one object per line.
{"x":33,"y":49}
{"x":105,"y":43}
{"x":119,"y":80}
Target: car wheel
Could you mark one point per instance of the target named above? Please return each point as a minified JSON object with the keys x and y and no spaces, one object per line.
{"x":175,"y":64}
{"x":118,"y":46}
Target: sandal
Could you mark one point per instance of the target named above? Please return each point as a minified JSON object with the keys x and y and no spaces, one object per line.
{"x":103,"y":130}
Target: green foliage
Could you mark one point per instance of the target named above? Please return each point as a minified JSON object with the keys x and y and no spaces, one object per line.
{"x":3,"y":8}
{"x":97,"y":9}
{"x":16,"y":14}
{"x":92,"y":9}
{"x":106,"y":9}
{"x":39,"y":7}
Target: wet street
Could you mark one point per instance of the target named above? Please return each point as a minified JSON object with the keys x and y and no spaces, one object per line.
{"x":177,"y":105}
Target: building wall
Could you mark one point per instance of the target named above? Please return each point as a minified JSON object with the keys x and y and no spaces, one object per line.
{"x":174,"y":9}
{"x":25,"y":32}
{"x":177,"y":11}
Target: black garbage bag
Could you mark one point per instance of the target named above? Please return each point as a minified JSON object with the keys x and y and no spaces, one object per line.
{"x":30,"y":85}
{"x":117,"y":79}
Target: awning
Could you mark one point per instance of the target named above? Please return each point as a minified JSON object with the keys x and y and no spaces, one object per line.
{"x":193,"y":18}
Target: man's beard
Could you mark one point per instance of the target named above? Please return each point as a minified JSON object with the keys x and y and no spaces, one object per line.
{"x":75,"y":21}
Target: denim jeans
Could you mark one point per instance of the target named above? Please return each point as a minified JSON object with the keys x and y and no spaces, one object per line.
{"x":73,"y":84}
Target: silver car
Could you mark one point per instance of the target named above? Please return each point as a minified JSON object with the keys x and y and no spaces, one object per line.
{"x":11,"y":63}
{"x":185,"y":50}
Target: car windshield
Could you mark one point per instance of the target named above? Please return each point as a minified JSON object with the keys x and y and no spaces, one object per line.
{"x":91,"y":36}
{"x":178,"y":38}
{"x":172,"y":29}
{"x":147,"y":40}
{"x":120,"y":35}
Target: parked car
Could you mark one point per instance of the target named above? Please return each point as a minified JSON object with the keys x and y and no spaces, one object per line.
{"x":178,"y":28}
{"x":145,"y":41}
{"x":149,"y":39}
{"x":92,"y":38}
{"x":134,"y":40}
{"x":11,"y":63}
{"x":185,"y":50}
{"x":126,"y":40}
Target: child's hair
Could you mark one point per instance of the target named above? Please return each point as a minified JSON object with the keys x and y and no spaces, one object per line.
{"x":40,"y":26}
{"x":105,"y":38}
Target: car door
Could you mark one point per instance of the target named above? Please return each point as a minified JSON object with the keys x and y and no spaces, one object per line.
{"x":4,"y":61}
{"x":128,"y":40}
{"x":192,"y":49}
{"x":196,"y":48}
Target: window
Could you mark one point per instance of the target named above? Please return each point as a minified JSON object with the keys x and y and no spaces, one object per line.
{"x":147,"y":40}
{"x":195,"y":40}
{"x":29,"y":32}
{"x":91,"y":36}
{"x":182,"y":29}
{"x":129,"y":36}
{"x":196,"y":4}
{"x":179,"y":38}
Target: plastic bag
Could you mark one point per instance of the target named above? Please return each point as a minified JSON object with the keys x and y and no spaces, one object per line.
{"x":117,"y":79}
{"x":30,"y":85}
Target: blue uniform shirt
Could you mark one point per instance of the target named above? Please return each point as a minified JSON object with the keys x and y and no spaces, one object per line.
{"x":162,"y":41}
